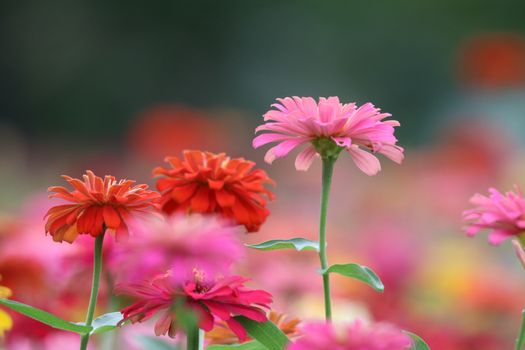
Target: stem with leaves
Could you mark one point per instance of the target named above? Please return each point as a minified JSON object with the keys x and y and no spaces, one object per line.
{"x":97,"y":268}
{"x":328,"y":168}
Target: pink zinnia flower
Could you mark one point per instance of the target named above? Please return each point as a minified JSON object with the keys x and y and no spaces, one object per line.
{"x":209,"y":298}
{"x":504,"y":215}
{"x":300,"y":120}
{"x":179,"y":243}
{"x":356,"y":336}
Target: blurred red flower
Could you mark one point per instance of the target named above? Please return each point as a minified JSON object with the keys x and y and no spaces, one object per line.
{"x":493,"y":60}
{"x":205,"y":182}
{"x":96,"y":204}
{"x":209,"y":299}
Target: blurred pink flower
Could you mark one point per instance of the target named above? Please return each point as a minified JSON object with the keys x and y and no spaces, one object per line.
{"x":179,"y":243}
{"x":301,"y":120}
{"x":209,"y":298}
{"x":502,"y":214}
{"x":356,"y":336}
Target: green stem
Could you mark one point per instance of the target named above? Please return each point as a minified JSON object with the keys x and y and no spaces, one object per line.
{"x":521,"y":338}
{"x":97,"y":267}
{"x":328,"y":169}
{"x":193,"y":338}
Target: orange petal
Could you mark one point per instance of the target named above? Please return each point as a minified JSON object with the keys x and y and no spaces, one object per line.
{"x":111,"y":217}
{"x":225,"y":198}
{"x":200,"y":202}
{"x":183,"y":193}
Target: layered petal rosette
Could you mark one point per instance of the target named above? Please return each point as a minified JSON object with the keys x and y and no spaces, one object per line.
{"x":211,"y":299}
{"x":502,"y":214}
{"x":95,"y":205}
{"x":298,"y":121}
{"x":355,"y":336}
{"x":204,"y":182}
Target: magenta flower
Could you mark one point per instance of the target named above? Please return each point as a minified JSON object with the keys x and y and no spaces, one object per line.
{"x":504,"y":215}
{"x":300,"y":120}
{"x":355,"y":336}
{"x":179,"y":243}
{"x":209,"y":298}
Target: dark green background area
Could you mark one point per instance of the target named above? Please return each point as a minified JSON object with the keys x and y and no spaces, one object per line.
{"x":87,"y":67}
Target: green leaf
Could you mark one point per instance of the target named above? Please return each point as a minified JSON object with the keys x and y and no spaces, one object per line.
{"x":253,"y":345}
{"x":298,"y":244}
{"x":106,"y":322}
{"x":45,"y":317}
{"x":155,"y":343}
{"x":417,"y":342}
{"x":266,"y":333}
{"x":359,"y":272}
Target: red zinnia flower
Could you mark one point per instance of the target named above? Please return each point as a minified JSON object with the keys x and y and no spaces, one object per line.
{"x":96,"y":204}
{"x":205,"y":182}
{"x":220,"y":298}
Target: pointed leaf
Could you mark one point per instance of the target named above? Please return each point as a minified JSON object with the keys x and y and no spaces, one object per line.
{"x":417,"y":342}
{"x":266,"y":333}
{"x":45,"y":317}
{"x":106,"y":322}
{"x":359,"y":272}
{"x":298,"y":244}
{"x":253,"y":345}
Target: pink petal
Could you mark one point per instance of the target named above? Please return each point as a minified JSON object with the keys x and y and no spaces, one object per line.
{"x":238,"y":329}
{"x":305,"y":158}
{"x":263,"y":139}
{"x":498,"y":236}
{"x":365,"y":161}
{"x":342,"y":141}
{"x":282,"y":149}
{"x":393,"y":152}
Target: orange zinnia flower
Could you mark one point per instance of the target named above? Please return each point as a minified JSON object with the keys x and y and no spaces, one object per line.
{"x":222,"y":335}
{"x":205,"y":182}
{"x":96,"y":204}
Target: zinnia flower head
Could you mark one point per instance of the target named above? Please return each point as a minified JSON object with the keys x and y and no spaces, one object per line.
{"x":328,"y":127}
{"x":355,"y":336}
{"x":96,"y":204}
{"x":503,"y":215}
{"x":210,"y":299}
{"x":204,"y":182}
{"x":179,"y":243}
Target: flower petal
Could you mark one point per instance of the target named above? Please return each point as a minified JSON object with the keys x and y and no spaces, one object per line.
{"x":367,"y":162}
{"x":305,"y":158}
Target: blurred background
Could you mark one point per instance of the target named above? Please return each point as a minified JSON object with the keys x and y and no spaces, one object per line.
{"x":115,"y":87}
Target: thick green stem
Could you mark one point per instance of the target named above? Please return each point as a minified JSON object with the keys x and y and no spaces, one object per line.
{"x":521,"y":337}
{"x":193,"y":339}
{"x":328,"y":168}
{"x":97,"y":267}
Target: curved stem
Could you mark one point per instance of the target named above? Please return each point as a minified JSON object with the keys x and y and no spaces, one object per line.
{"x":97,"y":267}
{"x":521,"y":337}
{"x":328,"y":169}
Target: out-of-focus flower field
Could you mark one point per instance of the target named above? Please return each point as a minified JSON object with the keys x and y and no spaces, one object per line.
{"x":456,"y":292}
